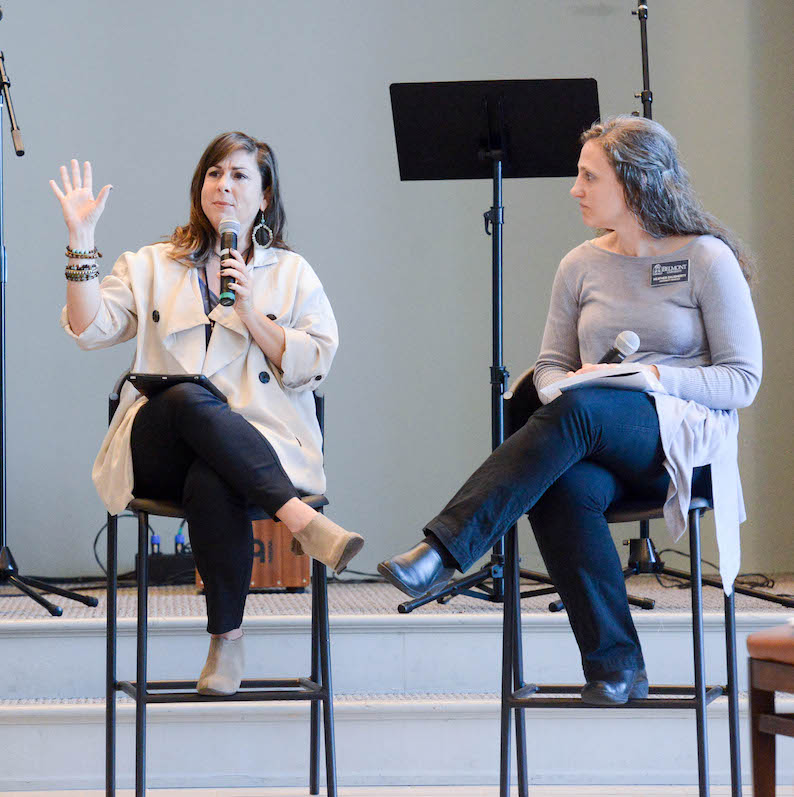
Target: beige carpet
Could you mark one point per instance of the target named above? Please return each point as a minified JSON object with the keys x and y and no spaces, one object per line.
{"x":367,"y":599}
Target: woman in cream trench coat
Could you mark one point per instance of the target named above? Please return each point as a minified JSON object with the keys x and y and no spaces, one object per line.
{"x":149,"y":285}
{"x":267,"y":352}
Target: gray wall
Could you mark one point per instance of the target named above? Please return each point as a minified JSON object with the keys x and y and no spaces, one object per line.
{"x":140,"y":89}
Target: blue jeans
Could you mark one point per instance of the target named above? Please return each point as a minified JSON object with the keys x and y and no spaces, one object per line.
{"x":564,"y":467}
{"x":189,"y":446}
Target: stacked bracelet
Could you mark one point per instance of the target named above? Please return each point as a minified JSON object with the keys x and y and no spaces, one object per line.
{"x":82,"y":254}
{"x":81,"y":274}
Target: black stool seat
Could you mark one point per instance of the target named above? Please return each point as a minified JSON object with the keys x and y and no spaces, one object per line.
{"x":163,"y":508}
{"x":633,"y":511}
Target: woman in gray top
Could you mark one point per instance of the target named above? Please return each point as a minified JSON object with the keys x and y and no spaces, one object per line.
{"x":664,"y":268}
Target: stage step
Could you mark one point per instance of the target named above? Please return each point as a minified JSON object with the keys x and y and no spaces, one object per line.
{"x":381,"y":739}
{"x":416,"y":696}
{"x":393,"y":654}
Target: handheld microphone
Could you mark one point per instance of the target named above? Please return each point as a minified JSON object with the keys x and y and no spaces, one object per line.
{"x":626,"y":343}
{"x":229,"y":229}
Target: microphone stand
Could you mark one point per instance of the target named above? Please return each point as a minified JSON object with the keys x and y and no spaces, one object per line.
{"x":8,"y":567}
{"x":643,"y":557}
{"x":646,"y":95}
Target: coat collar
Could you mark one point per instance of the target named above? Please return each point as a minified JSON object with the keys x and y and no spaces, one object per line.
{"x":265,"y":257}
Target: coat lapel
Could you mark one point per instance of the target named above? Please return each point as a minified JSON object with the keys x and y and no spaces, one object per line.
{"x":182,"y":321}
{"x":230,"y":340}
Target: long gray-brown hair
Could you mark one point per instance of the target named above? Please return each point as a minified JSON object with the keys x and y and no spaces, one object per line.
{"x":656,"y":185}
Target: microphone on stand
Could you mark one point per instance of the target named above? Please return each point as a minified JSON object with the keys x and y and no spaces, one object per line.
{"x":626,"y":343}
{"x":229,"y":229}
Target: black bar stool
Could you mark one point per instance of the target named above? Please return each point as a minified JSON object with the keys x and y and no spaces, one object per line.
{"x":518,"y":695}
{"x":315,"y":688}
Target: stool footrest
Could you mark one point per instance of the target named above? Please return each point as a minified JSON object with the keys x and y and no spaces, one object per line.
{"x":778,"y":724}
{"x":567,"y":696}
{"x":525,"y":691}
{"x":267,"y":689}
{"x":532,"y":593}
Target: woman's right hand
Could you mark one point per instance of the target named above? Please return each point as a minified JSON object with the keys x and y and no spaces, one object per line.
{"x":81,"y":211}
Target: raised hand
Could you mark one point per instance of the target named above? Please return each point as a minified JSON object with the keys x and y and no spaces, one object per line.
{"x":81,"y":211}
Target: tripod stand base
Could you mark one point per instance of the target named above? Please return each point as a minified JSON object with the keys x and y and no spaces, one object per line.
{"x":25,"y":584}
{"x":476,"y":586}
{"x":465,"y":586}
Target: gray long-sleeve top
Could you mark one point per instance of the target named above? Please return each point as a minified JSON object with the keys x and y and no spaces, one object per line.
{"x":695,"y":319}
{"x":702,"y":333}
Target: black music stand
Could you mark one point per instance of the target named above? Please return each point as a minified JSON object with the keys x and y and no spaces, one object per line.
{"x":480,"y":130}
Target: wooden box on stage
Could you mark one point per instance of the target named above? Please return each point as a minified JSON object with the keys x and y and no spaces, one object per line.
{"x":275,"y":566}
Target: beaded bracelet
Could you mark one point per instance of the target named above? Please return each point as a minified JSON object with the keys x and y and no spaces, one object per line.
{"x":81,"y":275}
{"x":81,"y":254}
{"x":76,"y":270}
{"x":81,"y":266}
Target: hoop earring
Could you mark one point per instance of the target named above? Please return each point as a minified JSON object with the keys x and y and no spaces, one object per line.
{"x":267,"y":234}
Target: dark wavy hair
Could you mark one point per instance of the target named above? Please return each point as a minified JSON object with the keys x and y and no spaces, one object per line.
{"x":196,"y":239}
{"x":656,"y":185}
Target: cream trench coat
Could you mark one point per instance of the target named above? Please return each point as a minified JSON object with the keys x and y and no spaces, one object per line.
{"x":157,"y":298}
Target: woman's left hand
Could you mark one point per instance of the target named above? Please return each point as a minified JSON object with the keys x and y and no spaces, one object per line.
{"x":241,"y":271}
{"x":588,"y":367}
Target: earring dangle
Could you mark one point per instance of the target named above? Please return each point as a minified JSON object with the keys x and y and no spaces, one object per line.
{"x":264,"y":232}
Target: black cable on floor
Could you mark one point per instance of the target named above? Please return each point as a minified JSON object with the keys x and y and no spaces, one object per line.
{"x":750,"y":580}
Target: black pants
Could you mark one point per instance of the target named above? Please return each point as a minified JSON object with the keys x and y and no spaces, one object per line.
{"x":189,"y":446}
{"x":572,"y":459}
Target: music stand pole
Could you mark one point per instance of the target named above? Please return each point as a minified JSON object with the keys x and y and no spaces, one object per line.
{"x":8,"y":567}
{"x":494,"y":570}
{"x":499,"y":374}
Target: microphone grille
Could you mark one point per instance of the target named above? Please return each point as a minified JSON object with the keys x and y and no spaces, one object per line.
{"x":229,"y":225}
{"x":627,"y":342}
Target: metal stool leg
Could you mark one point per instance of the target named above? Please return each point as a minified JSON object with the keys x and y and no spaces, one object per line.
{"x":110,"y":658}
{"x":325,"y":663}
{"x":140,"y":687}
{"x":698,"y":645}
{"x":518,"y":674}
{"x":508,"y":643}
{"x":314,"y":732}
{"x":733,"y":694}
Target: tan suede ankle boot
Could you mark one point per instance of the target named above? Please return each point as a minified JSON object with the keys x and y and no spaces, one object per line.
{"x":224,"y":667}
{"x":325,"y":541}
